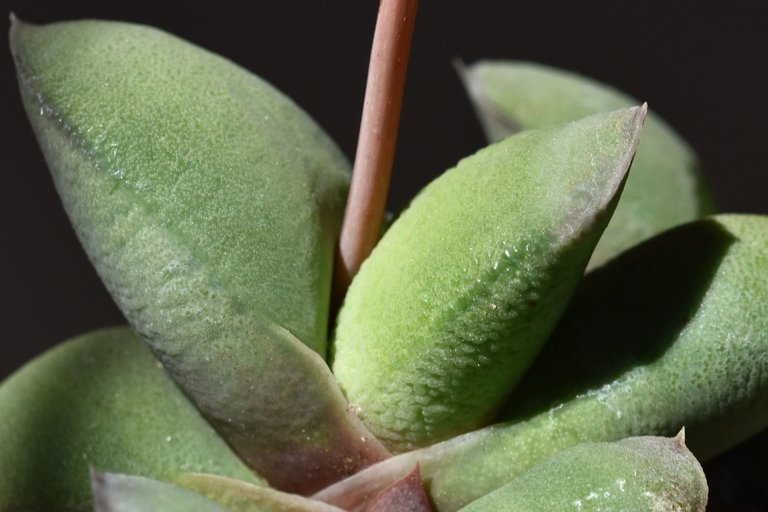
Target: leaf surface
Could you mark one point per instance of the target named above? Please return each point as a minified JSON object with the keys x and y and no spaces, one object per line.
{"x":209,"y":204}
{"x":405,"y":495}
{"x":467,"y":284}
{"x":126,"y":493}
{"x":99,"y":401}
{"x":637,"y":473}
{"x":246,"y":497}
{"x":665,"y":187}
{"x":672,"y":333}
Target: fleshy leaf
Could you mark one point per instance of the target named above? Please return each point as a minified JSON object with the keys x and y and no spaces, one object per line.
{"x":672,"y":333}
{"x":638,"y":473}
{"x":229,"y":171}
{"x":98,"y":401}
{"x":125,"y":493}
{"x":665,"y":187}
{"x":245,"y":497}
{"x":209,"y":204}
{"x":467,"y":284}
{"x":405,"y":495}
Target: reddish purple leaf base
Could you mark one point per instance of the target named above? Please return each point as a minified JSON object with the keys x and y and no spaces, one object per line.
{"x":405,"y":495}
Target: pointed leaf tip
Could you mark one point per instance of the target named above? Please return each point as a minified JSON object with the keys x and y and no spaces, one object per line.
{"x":495,"y":288}
{"x":15,"y":24}
{"x":665,"y":188}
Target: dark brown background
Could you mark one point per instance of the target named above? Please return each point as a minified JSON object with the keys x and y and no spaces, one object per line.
{"x":699,"y":67}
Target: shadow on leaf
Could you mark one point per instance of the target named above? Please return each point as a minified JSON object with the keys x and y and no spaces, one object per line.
{"x":624,"y":315}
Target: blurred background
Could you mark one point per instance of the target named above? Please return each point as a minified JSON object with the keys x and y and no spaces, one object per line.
{"x":699,"y":67}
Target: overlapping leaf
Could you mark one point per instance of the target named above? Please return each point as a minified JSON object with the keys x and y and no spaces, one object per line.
{"x":672,"y":333}
{"x":665,"y":187}
{"x":100,"y":401}
{"x":466,"y":286}
{"x":245,"y":497}
{"x":128,"y":493}
{"x":637,"y":473}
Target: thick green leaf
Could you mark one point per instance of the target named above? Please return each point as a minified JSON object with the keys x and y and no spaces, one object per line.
{"x":125,"y":493}
{"x":635,"y":474}
{"x":245,"y":497}
{"x":99,"y":401}
{"x":209,"y":204}
{"x":665,"y":187}
{"x":465,"y":287}
{"x":672,"y":333}
{"x":230,"y":172}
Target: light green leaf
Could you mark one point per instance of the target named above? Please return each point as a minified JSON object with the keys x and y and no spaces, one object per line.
{"x":634,"y":474}
{"x":665,"y":187}
{"x":465,"y":287}
{"x":672,"y":333}
{"x":98,"y":401}
{"x":126,"y":493}
{"x":209,"y":204}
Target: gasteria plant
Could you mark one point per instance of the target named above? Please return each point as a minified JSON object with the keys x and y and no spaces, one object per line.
{"x":472,"y":363}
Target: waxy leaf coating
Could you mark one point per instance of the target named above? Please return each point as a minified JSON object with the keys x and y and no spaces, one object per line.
{"x":100,"y":401}
{"x":665,"y":187}
{"x":635,"y":474}
{"x":671,"y":334}
{"x":209,"y":204}
{"x":464,"y":288}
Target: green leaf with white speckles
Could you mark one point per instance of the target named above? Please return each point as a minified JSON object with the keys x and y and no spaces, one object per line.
{"x":635,"y":474}
{"x":466,"y":286}
{"x":671,"y":334}
{"x":665,"y":188}
{"x":209,"y":204}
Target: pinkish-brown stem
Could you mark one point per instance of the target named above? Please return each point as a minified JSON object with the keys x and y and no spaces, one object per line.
{"x":378,"y":136}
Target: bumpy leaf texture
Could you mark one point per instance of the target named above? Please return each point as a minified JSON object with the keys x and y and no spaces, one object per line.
{"x":671,"y":334}
{"x":209,"y":204}
{"x":468,"y":283}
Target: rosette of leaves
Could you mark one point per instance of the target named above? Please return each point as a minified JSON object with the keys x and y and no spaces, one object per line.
{"x":209,"y":204}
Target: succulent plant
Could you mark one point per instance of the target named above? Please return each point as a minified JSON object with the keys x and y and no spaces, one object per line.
{"x":511,"y":343}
